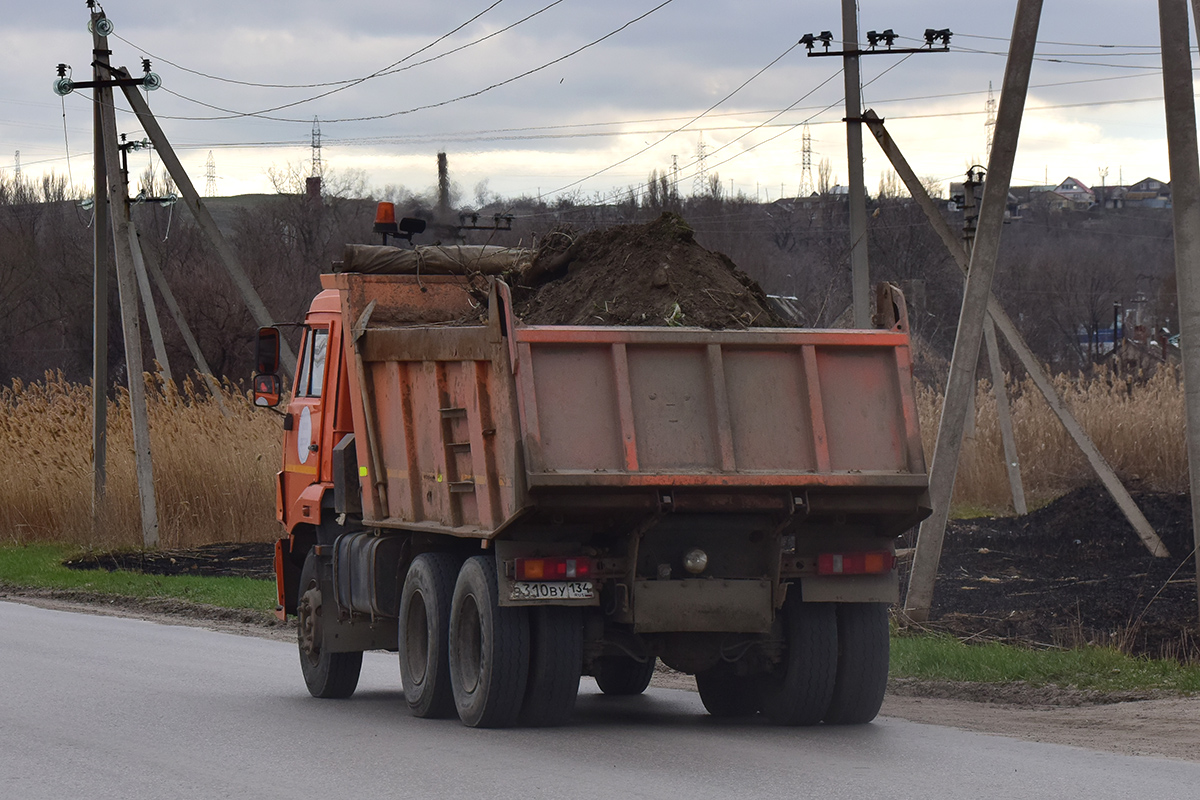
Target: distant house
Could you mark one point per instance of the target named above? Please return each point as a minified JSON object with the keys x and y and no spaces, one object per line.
{"x":1112,"y":196}
{"x":1074,"y":191}
{"x":1148,"y":193}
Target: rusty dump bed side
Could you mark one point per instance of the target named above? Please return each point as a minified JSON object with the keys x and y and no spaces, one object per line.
{"x":465,"y":428}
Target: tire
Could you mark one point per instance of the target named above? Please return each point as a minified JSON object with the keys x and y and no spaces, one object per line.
{"x":862,"y":671}
{"x":727,"y":695}
{"x":800,"y":689}
{"x":489,"y":649}
{"x":327,"y":675}
{"x":555,"y":663}
{"x":424,"y":634}
{"x":622,"y":675}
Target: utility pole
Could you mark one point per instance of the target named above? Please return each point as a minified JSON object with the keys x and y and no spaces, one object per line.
{"x":1185,"y":202}
{"x":860,"y":271}
{"x":101,"y":259}
{"x":118,"y":212}
{"x":975,"y":301}
{"x":860,"y":278}
{"x":1012,"y":463}
{"x":139,"y":266}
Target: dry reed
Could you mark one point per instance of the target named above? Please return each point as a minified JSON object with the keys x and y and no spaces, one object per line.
{"x":213,"y":474}
{"x":1137,"y":427}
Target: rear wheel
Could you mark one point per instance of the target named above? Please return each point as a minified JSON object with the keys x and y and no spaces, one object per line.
{"x":424,"y":634}
{"x":862,"y":671}
{"x":555,"y":662}
{"x":623,"y":675}
{"x":799,"y":690}
{"x":726,"y":694}
{"x":489,"y":649}
{"x":331,"y":675}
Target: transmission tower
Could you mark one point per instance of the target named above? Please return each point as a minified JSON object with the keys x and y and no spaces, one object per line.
{"x":210,"y":176}
{"x":989,"y":124}
{"x":17,"y":167}
{"x":700,"y":183}
{"x":675,"y":175}
{"x":318,"y":169}
{"x":807,"y":187}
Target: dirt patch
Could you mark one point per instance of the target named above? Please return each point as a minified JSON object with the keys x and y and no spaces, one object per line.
{"x":1073,"y":572}
{"x":242,"y":560}
{"x":651,"y":274}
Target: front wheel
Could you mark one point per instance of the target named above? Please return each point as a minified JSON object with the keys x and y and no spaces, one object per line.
{"x":623,"y":675}
{"x":489,"y":649}
{"x":329,"y":675}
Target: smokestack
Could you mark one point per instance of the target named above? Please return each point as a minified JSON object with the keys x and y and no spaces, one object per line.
{"x":443,"y":186}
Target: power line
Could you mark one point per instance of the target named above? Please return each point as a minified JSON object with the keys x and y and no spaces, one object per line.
{"x":389,"y":70}
{"x":265,"y":113}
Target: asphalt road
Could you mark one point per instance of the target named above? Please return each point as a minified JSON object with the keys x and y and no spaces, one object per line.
{"x":100,"y":707}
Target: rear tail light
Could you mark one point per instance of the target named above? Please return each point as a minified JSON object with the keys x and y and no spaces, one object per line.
{"x":874,"y":563}
{"x":553,"y":569}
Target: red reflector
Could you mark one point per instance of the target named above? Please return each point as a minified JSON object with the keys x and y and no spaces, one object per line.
{"x":553,"y":569}
{"x":874,"y":563}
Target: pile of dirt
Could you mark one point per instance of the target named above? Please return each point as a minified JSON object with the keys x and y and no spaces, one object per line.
{"x":651,"y":274}
{"x":242,"y":560}
{"x":1074,"y":572}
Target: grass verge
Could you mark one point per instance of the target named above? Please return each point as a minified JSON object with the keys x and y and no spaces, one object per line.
{"x":929,"y":657}
{"x":944,"y":658}
{"x":40,"y":567}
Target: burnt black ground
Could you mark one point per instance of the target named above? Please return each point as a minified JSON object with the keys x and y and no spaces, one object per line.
{"x":1069,"y":573}
{"x":1073,"y":572}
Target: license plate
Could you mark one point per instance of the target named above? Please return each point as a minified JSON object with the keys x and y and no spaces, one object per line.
{"x":556,"y":590}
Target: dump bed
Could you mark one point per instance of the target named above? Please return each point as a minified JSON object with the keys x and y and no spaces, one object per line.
{"x":468,"y":422}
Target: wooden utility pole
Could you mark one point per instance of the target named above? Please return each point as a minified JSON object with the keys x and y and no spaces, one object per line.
{"x":101,"y":257}
{"x":201,"y":214}
{"x":1185,"y":203}
{"x":860,"y":270}
{"x":127,"y":285}
{"x":974,"y":309}
{"x":1020,"y":348}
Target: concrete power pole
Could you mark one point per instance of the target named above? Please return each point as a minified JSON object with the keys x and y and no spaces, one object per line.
{"x":101,"y":265}
{"x":860,"y":271}
{"x":974,"y":309}
{"x":1185,"y":202}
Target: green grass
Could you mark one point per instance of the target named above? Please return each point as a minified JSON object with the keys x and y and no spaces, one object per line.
{"x":1101,"y":669}
{"x":40,"y":566}
{"x":927,"y":657}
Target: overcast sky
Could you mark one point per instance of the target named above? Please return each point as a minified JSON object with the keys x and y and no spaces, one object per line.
{"x":1095,"y":102}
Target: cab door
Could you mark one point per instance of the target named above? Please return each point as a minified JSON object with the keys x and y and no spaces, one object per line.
{"x":302,"y":478}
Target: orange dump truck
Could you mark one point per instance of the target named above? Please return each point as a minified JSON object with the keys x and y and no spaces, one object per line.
{"x":511,"y":507}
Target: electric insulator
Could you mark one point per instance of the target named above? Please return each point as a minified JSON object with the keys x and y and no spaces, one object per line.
{"x":151,"y":81}
{"x":102,"y":26}
{"x":63,"y":86}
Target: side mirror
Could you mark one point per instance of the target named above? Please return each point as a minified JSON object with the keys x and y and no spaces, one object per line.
{"x":266,"y":352}
{"x":266,"y":390}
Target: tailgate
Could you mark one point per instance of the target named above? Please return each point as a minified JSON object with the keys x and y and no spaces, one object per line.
{"x":626,"y":407}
